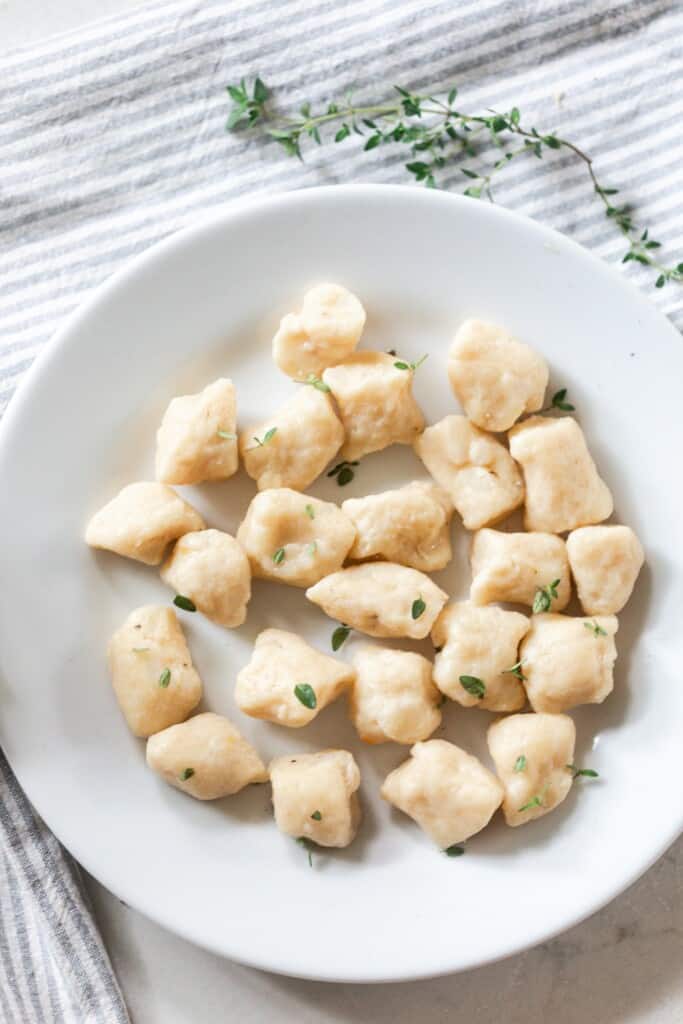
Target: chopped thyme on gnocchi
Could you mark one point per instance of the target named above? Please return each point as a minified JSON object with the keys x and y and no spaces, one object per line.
{"x":289,"y":682}
{"x":327,"y":781}
{"x":278,"y":531}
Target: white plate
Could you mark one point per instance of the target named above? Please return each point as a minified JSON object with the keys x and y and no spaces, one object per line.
{"x":204,"y":303}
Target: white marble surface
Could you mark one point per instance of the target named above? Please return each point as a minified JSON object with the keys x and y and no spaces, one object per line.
{"x":623,"y":966}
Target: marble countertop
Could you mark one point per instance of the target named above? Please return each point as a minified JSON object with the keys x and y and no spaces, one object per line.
{"x":622,"y":966}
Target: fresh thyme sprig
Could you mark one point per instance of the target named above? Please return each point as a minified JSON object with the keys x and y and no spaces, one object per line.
{"x":438,"y":135}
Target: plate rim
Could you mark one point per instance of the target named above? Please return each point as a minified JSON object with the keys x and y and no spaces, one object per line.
{"x":218,"y":218}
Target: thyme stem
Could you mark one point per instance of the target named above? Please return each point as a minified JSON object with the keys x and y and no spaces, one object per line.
{"x":438,"y":135}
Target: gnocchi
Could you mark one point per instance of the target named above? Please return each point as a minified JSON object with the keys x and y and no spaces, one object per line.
{"x":381,"y":599}
{"x":211,"y":568}
{"x":293,"y":538}
{"x":410,"y":526}
{"x":289,"y":682}
{"x":365,"y":564}
{"x":476,"y":470}
{"x":563,"y":488}
{"x":477,"y":660}
{"x":375,"y":402}
{"x":513,"y":566}
{"x":292,"y":447}
{"x":314,"y":796}
{"x":197,"y":439}
{"x":393,"y":696}
{"x":495,"y":377}
{"x":533,"y":755}
{"x":326,"y":331}
{"x":448,"y":792}
{"x":141,"y":521}
{"x":605,"y":562}
{"x":154,"y":680}
{"x":205,"y":757}
{"x":568,"y":661}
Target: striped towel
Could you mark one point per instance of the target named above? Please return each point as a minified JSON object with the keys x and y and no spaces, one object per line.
{"x":114,"y":137}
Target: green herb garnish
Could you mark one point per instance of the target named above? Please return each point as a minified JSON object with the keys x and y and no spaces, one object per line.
{"x":306,"y":843}
{"x":473,"y":685}
{"x":595,"y":628}
{"x":226,"y":435}
{"x":316,"y":383}
{"x":165,"y":678}
{"x":436,"y":135}
{"x":456,"y":850}
{"x":400,"y":365}
{"x":343,"y":472}
{"x":339,"y":636}
{"x":310,"y":511}
{"x":535,"y":801}
{"x":268,"y":436}
{"x":312,"y":548}
{"x":185,"y":603}
{"x":306,"y":694}
{"x":279,"y":556}
{"x":516,"y":670}
{"x":418,"y":607}
{"x":317,"y":816}
{"x":247,"y":108}
{"x":544,"y":597}
{"x":186,"y":774}
{"x":520,"y":764}
{"x":588,"y":773}
{"x":558,"y":401}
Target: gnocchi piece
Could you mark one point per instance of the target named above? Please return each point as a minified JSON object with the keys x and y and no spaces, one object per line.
{"x":568,"y":661}
{"x":476,"y":471}
{"x":293,"y":446}
{"x":563,"y":489}
{"x":294,"y":538}
{"x":197,"y":438}
{"x":141,"y":521}
{"x":393,"y":696}
{"x":325,"y":332}
{"x":289,"y":682}
{"x":478,"y":656}
{"x":205,"y":757}
{"x":495,"y":377}
{"x":375,"y":402}
{"x":314,"y":796}
{"x":410,"y":525}
{"x":532,"y":755}
{"x":449,"y":793}
{"x":605,"y":563}
{"x":210,"y":568}
{"x":381,"y":599}
{"x":151,"y":671}
{"x":512,"y":566}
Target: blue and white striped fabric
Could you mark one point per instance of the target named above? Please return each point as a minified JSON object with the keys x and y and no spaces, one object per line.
{"x":53,"y":965}
{"x":114,"y":137}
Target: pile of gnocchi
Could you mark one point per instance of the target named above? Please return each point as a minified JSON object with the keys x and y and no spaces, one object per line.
{"x":365,"y":563}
